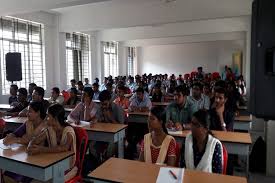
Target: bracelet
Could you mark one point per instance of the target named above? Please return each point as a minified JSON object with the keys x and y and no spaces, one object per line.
{"x":223,"y":125}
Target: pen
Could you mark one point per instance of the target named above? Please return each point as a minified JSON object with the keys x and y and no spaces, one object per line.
{"x":173,"y":174}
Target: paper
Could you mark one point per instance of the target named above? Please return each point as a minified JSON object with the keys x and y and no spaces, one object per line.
{"x":2,"y":146}
{"x":166,"y":177}
{"x":173,"y":132}
{"x":84,"y":123}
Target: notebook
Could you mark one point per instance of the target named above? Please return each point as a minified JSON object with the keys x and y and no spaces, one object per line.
{"x":165,"y":176}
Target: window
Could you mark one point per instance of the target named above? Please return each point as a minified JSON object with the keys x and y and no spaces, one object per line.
{"x":77,"y":56}
{"x":132,"y":61}
{"x":22,"y":36}
{"x":110,"y":58}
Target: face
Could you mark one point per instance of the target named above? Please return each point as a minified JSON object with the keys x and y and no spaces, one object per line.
{"x":154,"y":124}
{"x":85,"y":98}
{"x":95,"y":88}
{"x":179,"y":98}
{"x":196,"y":127}
{"x":21,"y":98}
{"x":73,"y":84}
{"x":31,"y":88}
{"x":206,"y":89}
{"x":120,"y":92}
{"x":12,"y":91}
{"x":219,"y":99}
{"x":54,"y":94}
{"x":196,"y":92}
{"x":32,"y":115}
{"x":105,"y":105}
{"x":80,"y":87}
{"x":86,"y":80}
{"x":51,"y":121}
{"x":36,"y":97}
{"x":140,"y":96}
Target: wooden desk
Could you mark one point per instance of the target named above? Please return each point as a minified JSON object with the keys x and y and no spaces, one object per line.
{"x":128,"y":171}
{"x":138,"y":117}
{"x":5,"y":107}
{"x":106,"y":132}
{"x":235,"y":142}
{"x":163,"y":104}
{"x":42,"y":167}
{"x":243,"y":122}
{"x":14,"y":122}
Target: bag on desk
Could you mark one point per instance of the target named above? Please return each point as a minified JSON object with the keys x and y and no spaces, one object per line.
{"x":257,"y":158}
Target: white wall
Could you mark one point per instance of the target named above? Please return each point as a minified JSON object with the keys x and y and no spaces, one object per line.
{"x":184,"y":58}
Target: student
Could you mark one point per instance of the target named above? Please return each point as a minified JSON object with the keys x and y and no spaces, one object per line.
{"x":207,"y":90}
{"x":36,"y":114}
{"x":157,"y":94}
{"x":198,"y":100}
{"x":22,"y":103}
{"x":109,"y":88}
{"x":121,"y":100}
{"x":60,"y":137}
{"x":30,"y":90}
{"x":201,"y":150}
{"x":80,"y":87}
{"x":72,"y":101}
{"x":96,"y":91}
{"x":103,"y":85}
{"x":140,"y":102}
{"x":56,"y":97}
{"x":96,"y":80}
{"x":13,"y":93}
{"x":25,"y":133}
{"x":200,"y":74}
{"x":87,"y":84}
{"x":233,"y":96}
{"x":37,"y":96}
{"x":108,"y":111}
{"x":158,"y":147}
{"x":178,"y":114}
{"x":86,"y":109}
{"x":73,"y":84}
{"x":131,"y":84}
{"x":220,"y":117}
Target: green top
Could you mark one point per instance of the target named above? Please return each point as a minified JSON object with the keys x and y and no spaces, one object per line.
{"x":178,"y":114}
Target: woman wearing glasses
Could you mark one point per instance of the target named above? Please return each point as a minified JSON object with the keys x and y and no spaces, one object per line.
{"x":201,"y":150}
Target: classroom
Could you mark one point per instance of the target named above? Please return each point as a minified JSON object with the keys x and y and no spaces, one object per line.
{"x":137,"y":91}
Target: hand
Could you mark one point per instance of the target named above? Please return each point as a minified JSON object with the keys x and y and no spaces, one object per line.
{"x":178,"y":126}
{"x":9,"y":139}
{"x":34,"y":149}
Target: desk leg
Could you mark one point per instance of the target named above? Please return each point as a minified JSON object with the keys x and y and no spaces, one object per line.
{"x":121,"y":136}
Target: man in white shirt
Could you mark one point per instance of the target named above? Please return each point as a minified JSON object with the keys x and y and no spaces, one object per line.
{"x":198,"y":100}
{"x":56,"y":97}
{"x":87,"y":83}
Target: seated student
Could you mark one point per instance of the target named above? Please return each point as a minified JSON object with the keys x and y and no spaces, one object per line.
{"x":72,"y":101}
{"x":178,"y":114}
{"x":108,"y":111}
{"x":37,"y":96}
{"x":80,"y":87}
{"x":156,"y":94}
{"x":158,"y":147}
{"x":87,"y":84}
{"x":131,"y":84}
{"x":60,"y":137}
{"x":25,"y":133}
{"x":20,"y":105}
{"x":198,"y":100}
{"x":13,"y":93}
{"x":86,"y":109}
{"x":103,"y":85}
{"x":233,"y":96}
{"x":30,"y":90}
{"x":96,"y":91}
{"x":56,"y":97}
{"x":207,"y":90}
{"x":201,"y":150}
{"x":220,"y":117}
{"x":73,"y":85}
{"x":140,"y":102}
{"x":109,"y":87}
{"x":121,"y":100}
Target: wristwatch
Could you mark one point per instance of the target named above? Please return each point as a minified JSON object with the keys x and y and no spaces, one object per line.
{"x":223,"y":125}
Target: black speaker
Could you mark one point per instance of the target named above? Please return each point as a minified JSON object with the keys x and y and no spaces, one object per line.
{"x":262,"y":73}
{"x":13,"y":67}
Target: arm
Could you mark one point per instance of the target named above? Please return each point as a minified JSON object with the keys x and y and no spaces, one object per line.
{"x":23,"y":113}
{"x":171,"y":154}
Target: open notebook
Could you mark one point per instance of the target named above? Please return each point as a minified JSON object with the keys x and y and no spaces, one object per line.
{"x":174,"y":132}
{"x":165,"y":176}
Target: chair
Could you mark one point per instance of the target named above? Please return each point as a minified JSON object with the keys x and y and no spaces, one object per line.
{"x":66,"y":95}
{"x":177,"y":153}
{"x":81,"y":147}
{"x":2,"y":127}
{"x":225,"y":158}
